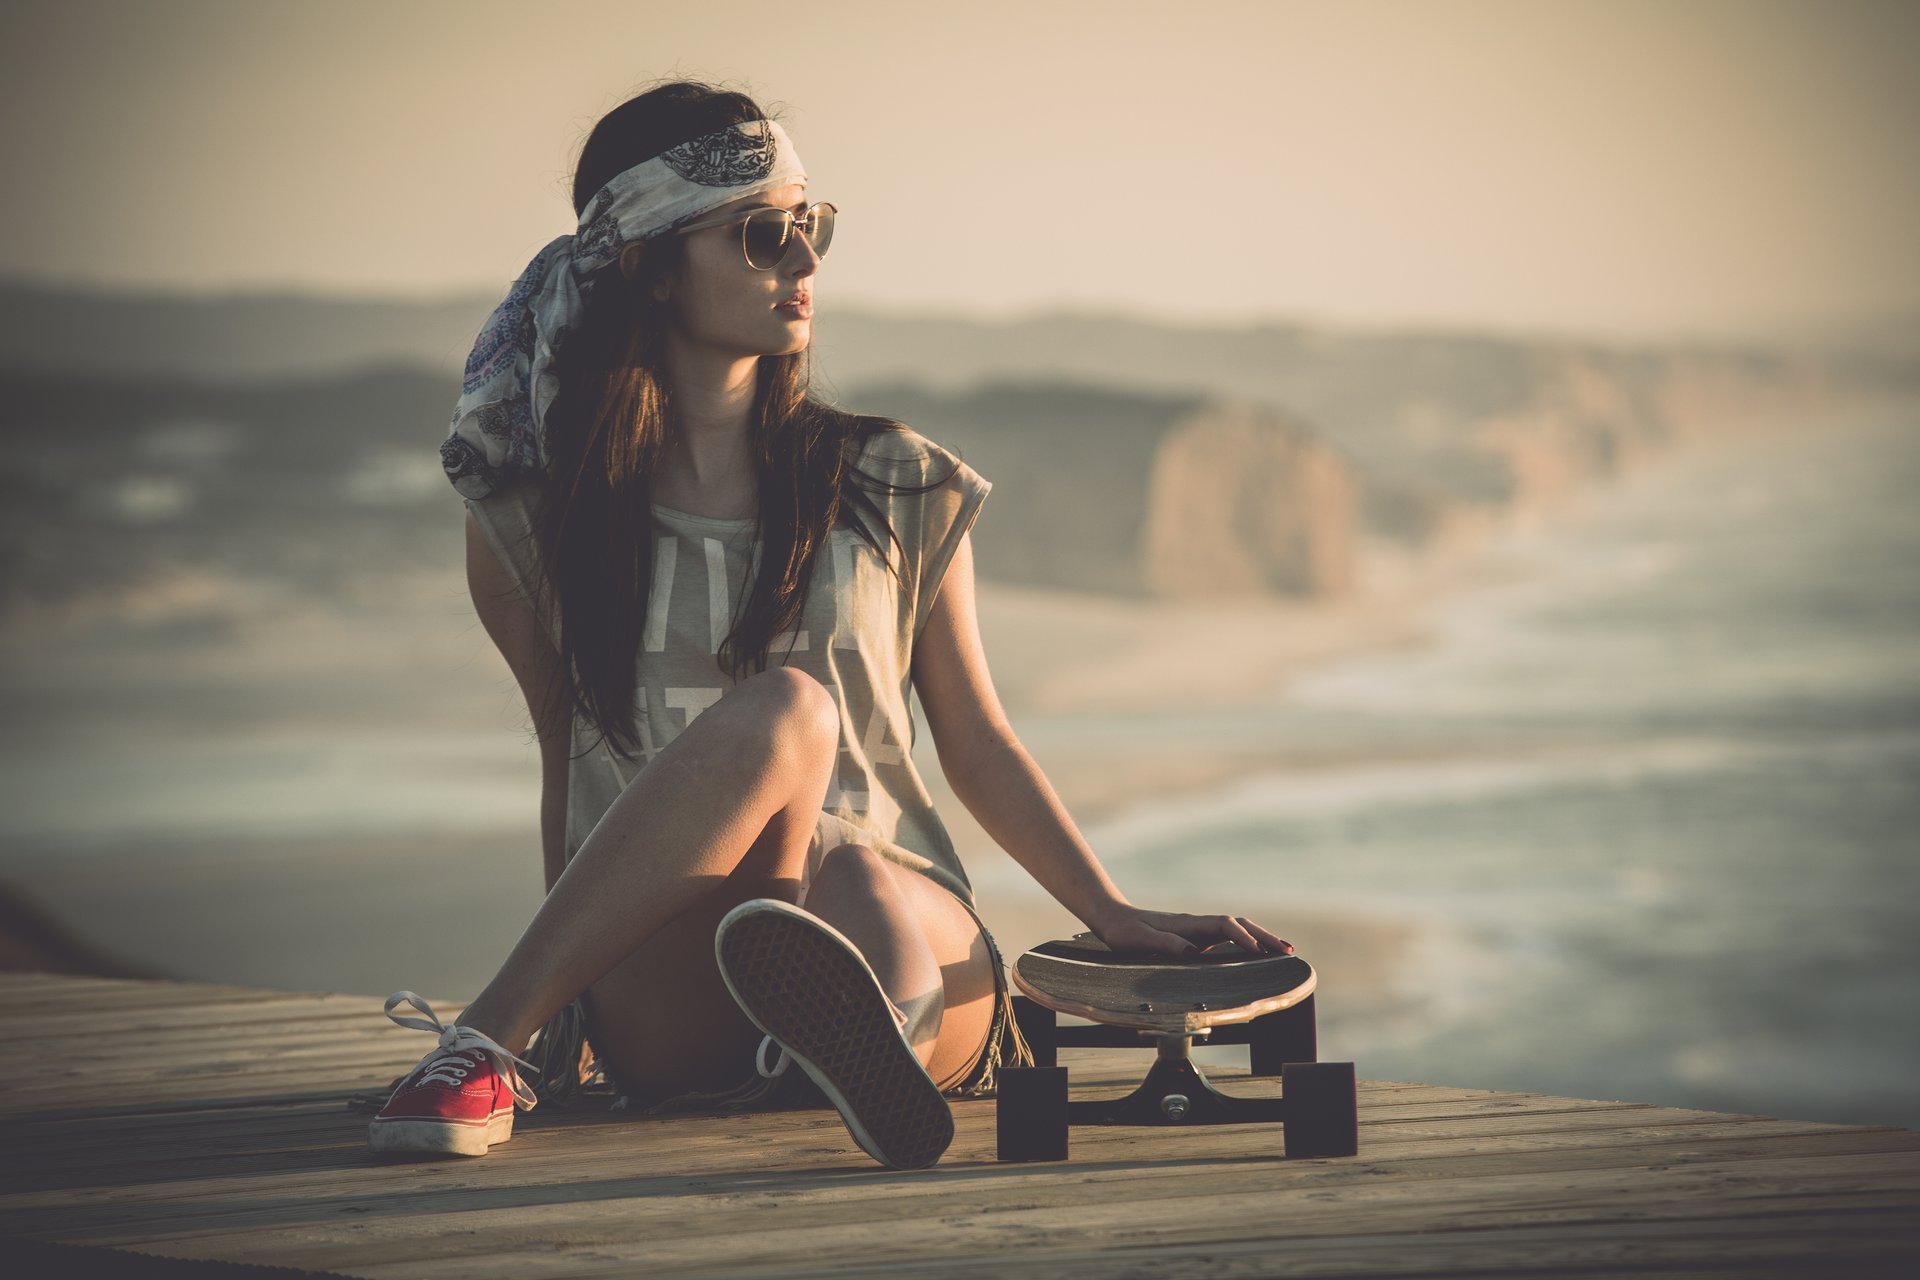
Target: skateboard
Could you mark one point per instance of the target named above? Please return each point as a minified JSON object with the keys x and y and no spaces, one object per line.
{"x":1224,"y":995}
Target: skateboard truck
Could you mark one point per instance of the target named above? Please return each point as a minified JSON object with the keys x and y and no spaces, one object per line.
{"x":1175,"y":1092}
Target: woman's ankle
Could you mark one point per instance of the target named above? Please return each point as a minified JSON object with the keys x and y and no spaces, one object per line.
{"x":475,"y":1017}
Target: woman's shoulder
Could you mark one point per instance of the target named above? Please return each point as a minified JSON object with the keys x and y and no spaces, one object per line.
{"x":512,"y":503}
{"x":900,"y":452}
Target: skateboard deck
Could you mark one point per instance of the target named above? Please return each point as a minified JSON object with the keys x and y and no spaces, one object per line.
{"x":1168,"y":995}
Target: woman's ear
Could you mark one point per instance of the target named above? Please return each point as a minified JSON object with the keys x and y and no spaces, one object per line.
{"x":630,"y":259}
{"x":634,"y":268}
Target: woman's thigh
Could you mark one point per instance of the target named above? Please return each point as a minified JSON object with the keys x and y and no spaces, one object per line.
{"x":966,"y":964}
{"x":663,"y":1019}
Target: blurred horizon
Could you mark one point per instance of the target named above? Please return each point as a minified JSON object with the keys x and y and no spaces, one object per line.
{"x":1629,"y":171}
{"x":1871,"y":327}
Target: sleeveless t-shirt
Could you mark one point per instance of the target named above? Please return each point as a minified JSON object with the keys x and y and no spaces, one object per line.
{"x":855,"y":636}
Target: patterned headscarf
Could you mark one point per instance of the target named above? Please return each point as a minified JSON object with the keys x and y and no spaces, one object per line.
{"x":498,"y":427}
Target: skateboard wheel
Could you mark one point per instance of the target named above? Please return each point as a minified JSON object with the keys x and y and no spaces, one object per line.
{"x":1323,"y":1116}
{"x":1030,"y":1113}
{"x":1277,"y":1038}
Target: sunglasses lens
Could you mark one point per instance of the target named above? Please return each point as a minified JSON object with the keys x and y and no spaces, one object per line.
{"x":766,"y":235}
{"x":820,"y":232}
{"x":766,"y":239}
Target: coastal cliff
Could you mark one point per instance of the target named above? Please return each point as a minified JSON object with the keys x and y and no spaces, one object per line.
{"x":1445,"y":444}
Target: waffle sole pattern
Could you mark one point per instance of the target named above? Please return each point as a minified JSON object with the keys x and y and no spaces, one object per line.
{"x":801,"y":982}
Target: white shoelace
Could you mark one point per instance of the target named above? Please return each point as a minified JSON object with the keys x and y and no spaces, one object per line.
{"x":760,"y":1059}
{"x":786,"y":1059}
{"x":450,"y":1061}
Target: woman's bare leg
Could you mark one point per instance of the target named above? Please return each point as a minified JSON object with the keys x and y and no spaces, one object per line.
{"x":924,"y":947}
{"x":744,"y":780}
{"x":662,"y":1020}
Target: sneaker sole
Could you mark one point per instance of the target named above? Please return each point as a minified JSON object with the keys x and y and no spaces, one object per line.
{"x":800,"y":981}
{"x":448,"y":1137}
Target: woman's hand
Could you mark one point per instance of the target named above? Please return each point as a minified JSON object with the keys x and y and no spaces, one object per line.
{"x":1175,"y":933}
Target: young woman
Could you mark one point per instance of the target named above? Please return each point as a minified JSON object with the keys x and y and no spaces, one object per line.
{"x":716,"y":592}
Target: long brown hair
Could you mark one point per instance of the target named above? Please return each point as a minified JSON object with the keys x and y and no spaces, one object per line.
{"x":607,"y":426}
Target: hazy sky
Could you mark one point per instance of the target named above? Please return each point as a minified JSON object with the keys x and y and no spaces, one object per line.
{"x":1630,"y":168}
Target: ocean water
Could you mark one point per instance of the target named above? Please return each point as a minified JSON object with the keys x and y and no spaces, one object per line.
{"x":1657,"y":802}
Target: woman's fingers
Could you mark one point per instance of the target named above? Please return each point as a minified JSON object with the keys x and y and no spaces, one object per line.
{"x":1242,"y":934}
{"x":1201,"y":931}
{"x":1206,"y":930}
{"x":1273,"y":942}
{"x":1252,"y":937}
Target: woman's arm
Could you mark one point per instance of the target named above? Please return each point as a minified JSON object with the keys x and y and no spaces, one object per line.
{"x":1001,"y":785}
{"x":518,"y":634}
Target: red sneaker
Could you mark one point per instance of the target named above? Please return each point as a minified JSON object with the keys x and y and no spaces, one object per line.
{"x":459,"y":1100}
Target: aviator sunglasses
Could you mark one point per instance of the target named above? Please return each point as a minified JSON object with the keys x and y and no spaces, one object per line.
{"x":767,"y":233}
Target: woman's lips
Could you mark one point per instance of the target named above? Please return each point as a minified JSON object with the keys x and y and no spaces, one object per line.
{"x":800,"y":308}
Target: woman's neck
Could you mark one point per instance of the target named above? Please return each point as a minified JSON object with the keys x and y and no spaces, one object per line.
{"x":706,"y":467}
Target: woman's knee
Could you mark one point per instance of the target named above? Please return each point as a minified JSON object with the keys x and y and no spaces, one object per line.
{"x":856,"y":868}
{"x":790,"y":698}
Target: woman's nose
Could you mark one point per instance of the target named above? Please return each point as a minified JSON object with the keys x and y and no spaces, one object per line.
{"x":800,"y":253}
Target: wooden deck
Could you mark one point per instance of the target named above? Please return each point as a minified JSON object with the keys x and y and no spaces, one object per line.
{"x":209,"y":1122}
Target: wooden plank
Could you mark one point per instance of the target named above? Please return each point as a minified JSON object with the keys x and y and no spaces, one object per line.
{"x":54,"y":1012}
{"x":26,"y":981}
{"x":1774,"y":1247}
{"x":28,"y":985}
{"x":75,"y":992}
{"x":63,"y":1103}
{"x":1779,"y":1247}
{"x":1790,"y":1246}
{"x":308,"y":1164}
{"x":214,"y":1054}
{"x":1150,"y":1181}
{"x":216,"y":1075}
{"x":204,"y":1054}
{"x":637,"y":1223}
{"x":54,"y":1028}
